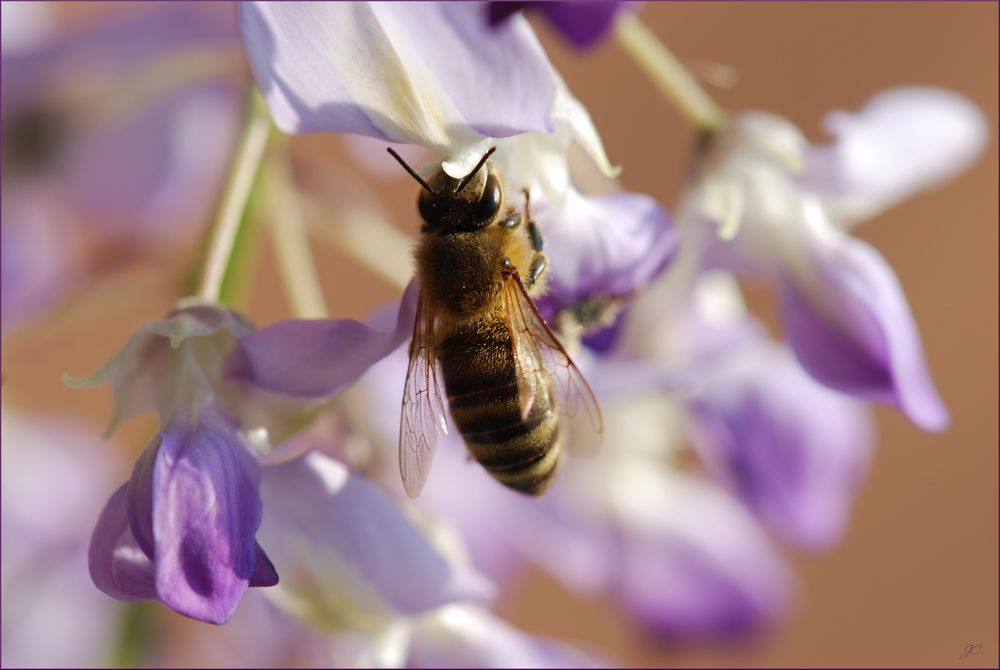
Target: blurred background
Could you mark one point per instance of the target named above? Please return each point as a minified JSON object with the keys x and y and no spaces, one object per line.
{"x":913,"y":582}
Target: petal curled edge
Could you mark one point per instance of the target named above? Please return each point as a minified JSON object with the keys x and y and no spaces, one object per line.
{"x":206,"y":510}
{"x":313,"y":359}
{"x":901,"y":141}
{"x":792,"y":449}
{"x":348,"y":555}
{"x":852,"y":330}
{"x":398,"y":71}
{"x":605,"y":246}
{"x":117,"y":565}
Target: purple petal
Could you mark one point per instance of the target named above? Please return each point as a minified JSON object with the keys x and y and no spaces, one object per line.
{"x":264,"y":573}
{"x":582,"y":23}
{"x":695,"y":562}
{"x":206,"y":510}
{"x":117,"y":565}
{"x":345,"y":549}
{"x":854,"y":332}
{"x":604,"y":246}
{"x":140,"y":498}
{"x":318,"y":358}
{"x":901,"y":141}
{"x":793,"y":450}
{"x":397,"y":71}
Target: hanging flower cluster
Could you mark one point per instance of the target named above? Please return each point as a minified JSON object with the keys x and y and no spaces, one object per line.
{"x":273,"y":464}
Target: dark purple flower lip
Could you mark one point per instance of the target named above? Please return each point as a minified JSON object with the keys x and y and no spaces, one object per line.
{"x":182,"y":530}
{"x":582,"y":23}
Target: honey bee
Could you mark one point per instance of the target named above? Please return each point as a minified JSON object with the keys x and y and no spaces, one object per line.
{"x":506,"y":376}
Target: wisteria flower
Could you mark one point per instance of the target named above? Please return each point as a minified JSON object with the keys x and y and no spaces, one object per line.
{"x":793,"y":450}
{"x":182,"y":529}
{"x":114,"y":141}
{"x":753,"y":208}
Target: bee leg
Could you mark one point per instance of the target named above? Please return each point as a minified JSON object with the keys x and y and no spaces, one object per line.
{"x":538,"y":264}
{"x":537,"y":243}
{"x":539,"y":261}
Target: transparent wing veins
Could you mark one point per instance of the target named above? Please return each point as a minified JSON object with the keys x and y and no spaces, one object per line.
{"x":536,"y":348}
{"x":422,"y":414}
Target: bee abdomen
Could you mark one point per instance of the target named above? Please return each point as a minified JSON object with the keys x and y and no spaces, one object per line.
{"x":480,"y":377}
{"x":513,"y":443}
{"x":532,"y":477}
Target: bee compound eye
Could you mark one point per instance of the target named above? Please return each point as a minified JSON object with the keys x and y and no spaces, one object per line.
{"x":426,"y":206}
{"x":489,"y":202}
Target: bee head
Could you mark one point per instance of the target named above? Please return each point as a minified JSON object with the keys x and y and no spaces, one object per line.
{"x":452,"y":205}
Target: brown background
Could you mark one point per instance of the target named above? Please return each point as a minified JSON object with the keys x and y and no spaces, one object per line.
{"x":915,"y":579}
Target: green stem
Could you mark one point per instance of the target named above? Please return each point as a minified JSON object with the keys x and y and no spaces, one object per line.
{"x":235,"y":196}
{"x":669,"y":75}
{"x":291,"y":241}
{"x":135,"y":636}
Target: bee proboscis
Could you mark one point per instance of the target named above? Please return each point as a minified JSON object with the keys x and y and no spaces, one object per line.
{"x":479,"y":337}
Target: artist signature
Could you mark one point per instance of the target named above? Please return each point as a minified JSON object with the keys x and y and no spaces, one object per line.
{"x":973,"y":649}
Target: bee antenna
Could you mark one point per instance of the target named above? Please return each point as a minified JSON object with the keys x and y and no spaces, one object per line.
{"x":467,"y":178}
{"x":411,"y":171}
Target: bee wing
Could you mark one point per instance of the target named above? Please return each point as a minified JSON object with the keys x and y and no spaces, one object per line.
{"x":422,"y":413}
{"x":537,"y":348}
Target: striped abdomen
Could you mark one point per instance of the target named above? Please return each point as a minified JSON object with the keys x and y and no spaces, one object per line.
{"x":477,"y":365}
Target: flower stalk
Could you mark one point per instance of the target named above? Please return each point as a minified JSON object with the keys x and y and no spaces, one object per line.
{"x":667,"y":73}
{"x":291,"y":240}
{"x":220,"y":259}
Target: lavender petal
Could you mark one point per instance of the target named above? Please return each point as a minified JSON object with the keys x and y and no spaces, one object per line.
{"x":696,"y":563}
{"x":345,"y":550}
{"x":901,"y":141}
{"x":399,"y":72}
{"x":206,"y":510}
{"x":318,"y":358}
{"x":792,"y":449}
{"x":117,"y":564}
{"x":855,"y":333}
{"x":604,"y":246}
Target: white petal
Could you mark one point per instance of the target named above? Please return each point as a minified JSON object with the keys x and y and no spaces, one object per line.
{"x":429,"y":73}
{"x":901,"y":141}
